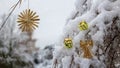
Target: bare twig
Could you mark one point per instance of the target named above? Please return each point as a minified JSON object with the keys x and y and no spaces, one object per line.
{"x":10,"y":14}
{"x":112,"y":39}
{"x":55,"y":64}
{"x":71,"y":61}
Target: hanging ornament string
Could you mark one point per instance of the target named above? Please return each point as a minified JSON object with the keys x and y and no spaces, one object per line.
{"x":28,"y":4}
{"x":28,"y":12}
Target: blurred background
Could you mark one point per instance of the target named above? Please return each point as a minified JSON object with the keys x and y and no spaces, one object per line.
{"x":52,"y":13}
{"x":28,"y":49}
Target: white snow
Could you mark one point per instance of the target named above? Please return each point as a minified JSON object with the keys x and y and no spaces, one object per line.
{"x":95,"y":13}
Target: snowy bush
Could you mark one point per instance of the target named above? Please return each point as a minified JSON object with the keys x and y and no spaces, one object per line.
{"x":12,"y":54}
{"x":103,"y":19}
{"x":44,"y":59}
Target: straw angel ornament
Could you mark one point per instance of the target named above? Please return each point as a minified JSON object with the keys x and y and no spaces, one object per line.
{"x":85,"y":45}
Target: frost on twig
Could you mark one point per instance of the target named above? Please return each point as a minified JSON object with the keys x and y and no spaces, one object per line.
{"x":103,"y":19}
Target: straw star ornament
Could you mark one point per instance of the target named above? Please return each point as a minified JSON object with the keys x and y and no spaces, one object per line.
{"x":28,"y":20}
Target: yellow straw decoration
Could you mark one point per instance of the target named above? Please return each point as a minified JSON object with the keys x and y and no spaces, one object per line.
{"x":68,"y":42}
{"x":83,"y":25}
{"x":85,"y":45}
{"x":28,"y":20}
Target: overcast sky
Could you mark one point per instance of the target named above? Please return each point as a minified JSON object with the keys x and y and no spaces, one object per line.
{"x":53,"y":14}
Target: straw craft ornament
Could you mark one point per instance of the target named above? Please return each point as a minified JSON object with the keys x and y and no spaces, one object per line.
{"x":83,"y":25}
{"x":28,"y":20}
{"x":85,"y":45}
{"x":68,"y":42}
